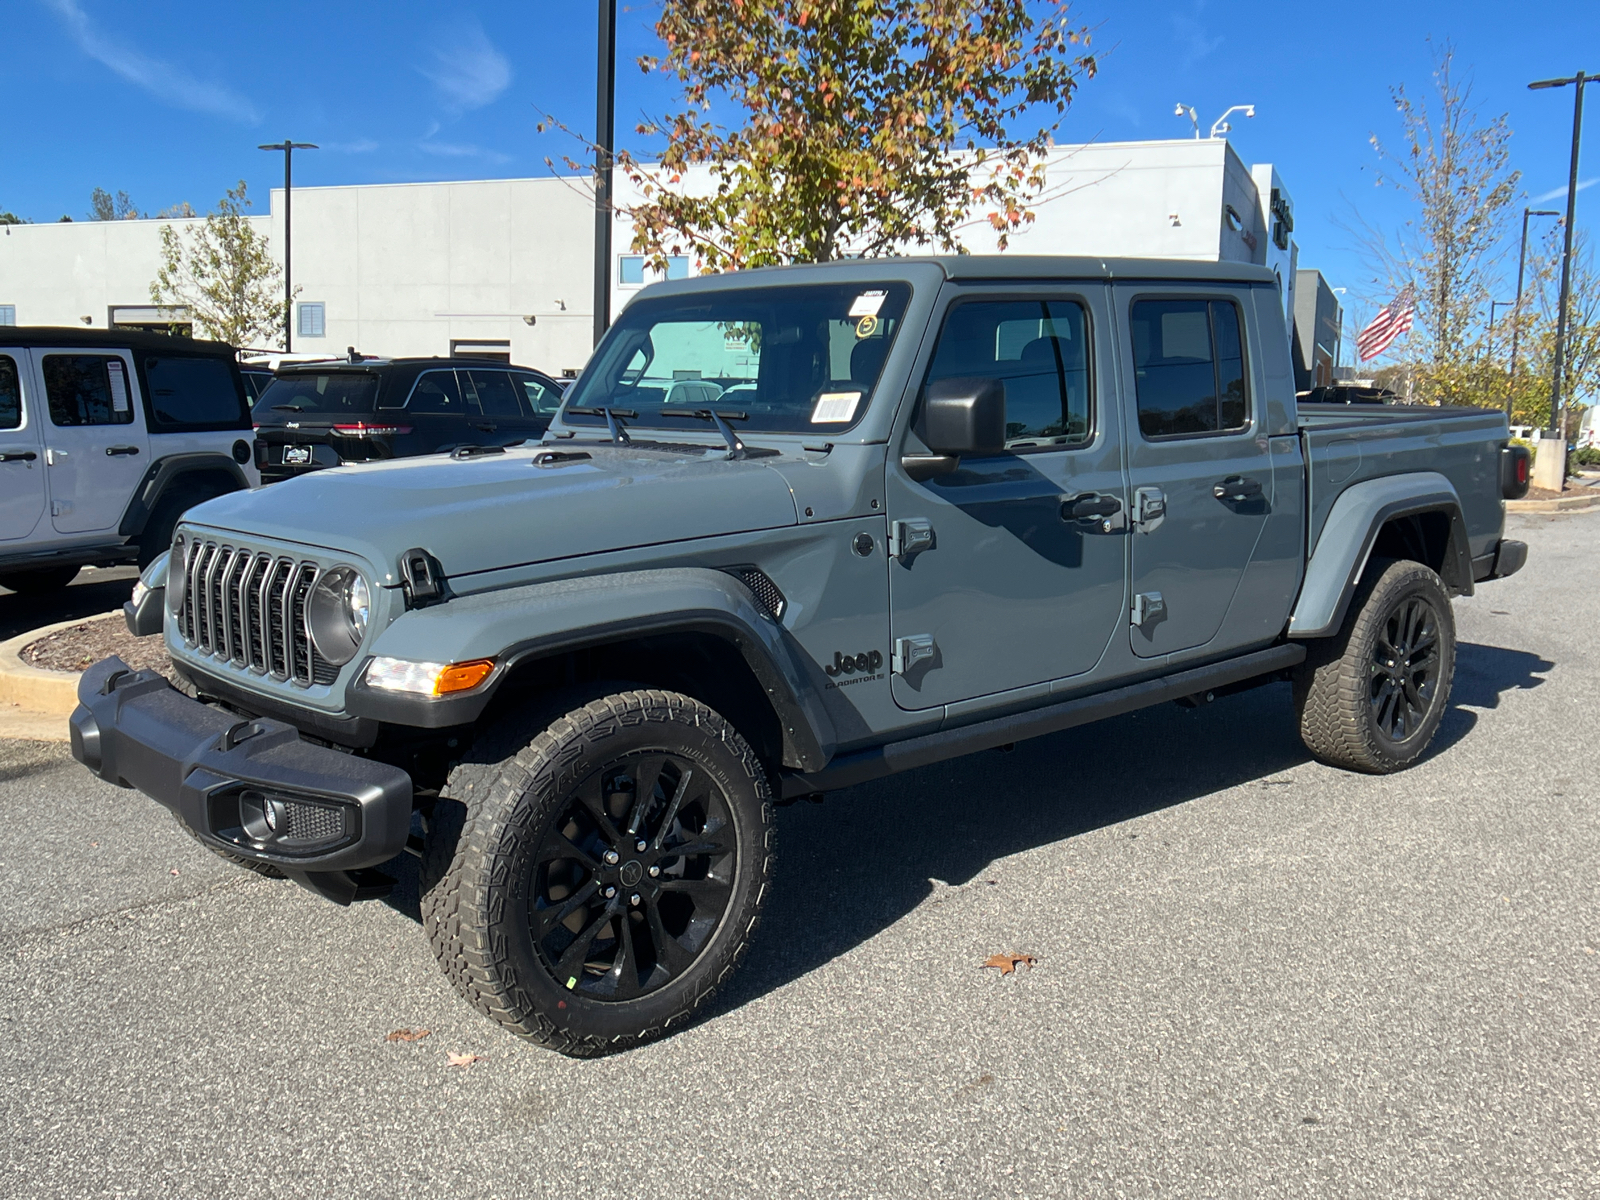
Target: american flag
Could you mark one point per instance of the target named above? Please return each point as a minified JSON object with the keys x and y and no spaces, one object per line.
{"x":1393,"y":319}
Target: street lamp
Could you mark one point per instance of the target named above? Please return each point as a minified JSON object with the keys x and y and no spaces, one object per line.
{"x":604,"y":144}
{"x":288,"y":149}
{"x":1516,"y":305}
{"x":1558,"y":424}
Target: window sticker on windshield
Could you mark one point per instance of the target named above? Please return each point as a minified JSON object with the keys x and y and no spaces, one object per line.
{"x":866,"y":327}
{"x":868,"y":303}
{"x":835,"y":408}
{"x":119,"y":385}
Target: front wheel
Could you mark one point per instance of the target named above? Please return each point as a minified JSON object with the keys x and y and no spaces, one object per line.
{"x":1371,"y":698}
{"x":593,"y":888}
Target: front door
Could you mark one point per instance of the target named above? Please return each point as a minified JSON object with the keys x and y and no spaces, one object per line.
{"x":497,"y":408}
{"x":21,"y":455}
{"x":1199,"y":464}
{"x":1001,"y":577}
{"x":95,"y":441}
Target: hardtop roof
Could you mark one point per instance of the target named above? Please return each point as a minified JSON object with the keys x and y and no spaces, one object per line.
{"x":119,"y":339}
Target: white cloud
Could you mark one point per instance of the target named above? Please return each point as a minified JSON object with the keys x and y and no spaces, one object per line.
{"x":161,"y":79}
{"x":1190,"y":31}
{"x":468,"y":71}
{"x":1562,"y":191}
{"x":462,"y":150}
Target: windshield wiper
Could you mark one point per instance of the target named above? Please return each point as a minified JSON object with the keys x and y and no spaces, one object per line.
{"x":288,"y":408}
{"x":736,"y":448}
{"x":614,"y":426}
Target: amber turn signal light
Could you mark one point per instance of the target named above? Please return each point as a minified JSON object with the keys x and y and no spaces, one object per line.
{"x":462,"y":677}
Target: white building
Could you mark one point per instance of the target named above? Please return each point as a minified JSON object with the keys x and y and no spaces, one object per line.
{"x":503,"y":267}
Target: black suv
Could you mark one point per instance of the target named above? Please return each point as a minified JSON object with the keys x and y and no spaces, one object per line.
{"x":324,"y":414}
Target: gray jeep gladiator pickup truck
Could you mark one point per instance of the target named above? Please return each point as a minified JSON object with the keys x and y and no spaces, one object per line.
{"x":792,"y":530}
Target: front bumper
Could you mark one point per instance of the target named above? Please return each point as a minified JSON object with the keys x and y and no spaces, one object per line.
{"x":251,"y":788}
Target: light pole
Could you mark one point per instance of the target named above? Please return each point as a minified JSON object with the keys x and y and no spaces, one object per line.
{"x":1558,"y":423}
{"x":288,"y":149}
{"x":604,"y":145}
{"x":1516,"y":305}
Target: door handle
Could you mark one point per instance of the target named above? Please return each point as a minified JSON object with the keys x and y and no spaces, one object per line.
{"x":486,"y":426}
{"x":1090,"y":506}
{"x":118,"y":451}
{"x":18,"y":456}
{"x":1237,"y":487}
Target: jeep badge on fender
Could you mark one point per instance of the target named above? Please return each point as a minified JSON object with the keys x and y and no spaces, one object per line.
{"x":849,"y":664}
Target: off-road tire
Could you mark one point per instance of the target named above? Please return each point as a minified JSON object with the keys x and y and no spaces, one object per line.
{"x":265,"y":870}
{"x":44,"y":579}
{"x":156,"y":537}
{"x":484,"y":833}
{"x":1334,"y":688}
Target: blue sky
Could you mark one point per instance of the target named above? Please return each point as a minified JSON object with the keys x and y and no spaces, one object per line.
{"x":168,"y":102}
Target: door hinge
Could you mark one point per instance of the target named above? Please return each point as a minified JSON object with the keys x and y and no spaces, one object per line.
{"x":1149,"y":509}
{"x":907,"y":539}
{"x":1148,"y":608}
{"x":910,"y":651}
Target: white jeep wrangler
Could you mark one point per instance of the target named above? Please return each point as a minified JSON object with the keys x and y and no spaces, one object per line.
{"x":106,"y":438}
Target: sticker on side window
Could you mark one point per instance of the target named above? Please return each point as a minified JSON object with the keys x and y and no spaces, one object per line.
{"x":119,"y":385}
{"x":835,"y":408}
{"x":867,"y":304}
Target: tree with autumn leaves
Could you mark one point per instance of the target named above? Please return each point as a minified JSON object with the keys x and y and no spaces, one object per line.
{"x":809,"y":130}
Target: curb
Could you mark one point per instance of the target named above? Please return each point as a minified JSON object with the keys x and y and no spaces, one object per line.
{"x":35,"y":703}
{"x":1564,"y":504}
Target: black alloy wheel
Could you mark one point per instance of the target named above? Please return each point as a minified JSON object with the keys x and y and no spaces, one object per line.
{"x":1405,"y":669}
{"x":633,"y":877}
{"x":591,"y":880}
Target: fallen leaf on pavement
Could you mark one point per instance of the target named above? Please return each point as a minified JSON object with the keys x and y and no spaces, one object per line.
{"x":463,"y":1060}
{"x":407,"y":1035}
{"x":1007,"y":963}
{"x":174,"y":871}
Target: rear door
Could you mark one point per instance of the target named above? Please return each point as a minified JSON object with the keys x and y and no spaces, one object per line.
{"x":496,"y":410}
{"x":22,"y":491}
{"x":1200,"y":470}
{"x":541,"y":398}
{"x":96,"y":445}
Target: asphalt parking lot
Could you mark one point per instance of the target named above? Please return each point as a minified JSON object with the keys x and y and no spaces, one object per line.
{"x":1256,"y":976}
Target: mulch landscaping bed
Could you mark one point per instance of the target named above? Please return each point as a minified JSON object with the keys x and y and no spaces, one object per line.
{"x":86,"y":643}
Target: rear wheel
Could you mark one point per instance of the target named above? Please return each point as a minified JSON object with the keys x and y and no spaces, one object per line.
{"x":1371,"y":698}
{"x":592,"y":888}
{"x":46,"y":579}
{"x":163,"y":523}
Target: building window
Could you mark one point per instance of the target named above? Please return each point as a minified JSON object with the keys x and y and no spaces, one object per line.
{"x":312,"y":321}
{"x":8,"y":314}
{"x":632,"y":270}
{"x":677,"y":268}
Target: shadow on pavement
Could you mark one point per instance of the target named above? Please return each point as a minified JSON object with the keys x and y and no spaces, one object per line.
{"x":90,"y":594}
{"x":850,"y":867}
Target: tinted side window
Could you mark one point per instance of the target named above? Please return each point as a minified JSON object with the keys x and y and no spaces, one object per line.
{"x":10,"y":394}
{"x":436,"y":392}
{"x":542,"y":399}
{"x":1188,"y":360}
{"x":192,"y":391}
{"x":494,"y":393}
{"x":87,"y":389}
{"x":1039,"y":350}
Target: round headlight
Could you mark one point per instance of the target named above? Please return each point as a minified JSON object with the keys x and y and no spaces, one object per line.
{"x":177,"y":575}
{"x":337,"y":614}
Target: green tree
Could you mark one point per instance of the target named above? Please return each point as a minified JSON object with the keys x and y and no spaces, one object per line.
{"x":103,"y":206}
{"x":223,"y":274}
{"x":10,"y":218}
{"x":852,"y":126}
{"x":1455,"y":169}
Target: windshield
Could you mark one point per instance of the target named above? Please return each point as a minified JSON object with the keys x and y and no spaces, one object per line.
{"x":793,"y":359}
{"x":331,"y":393}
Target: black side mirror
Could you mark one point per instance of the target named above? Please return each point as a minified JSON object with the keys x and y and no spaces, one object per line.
{"x":961,"y":416}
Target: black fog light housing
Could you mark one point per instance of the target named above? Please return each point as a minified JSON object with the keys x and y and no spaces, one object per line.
{"x":283,"y":823}
{"x":337,"y":614}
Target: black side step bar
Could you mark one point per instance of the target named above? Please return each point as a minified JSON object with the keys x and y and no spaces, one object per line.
{"x":861,"y":766}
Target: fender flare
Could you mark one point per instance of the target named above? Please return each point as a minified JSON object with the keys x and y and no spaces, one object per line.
{"x":167,"y":471}
{"x":519,"y":624}
{"x":1351,"y":531}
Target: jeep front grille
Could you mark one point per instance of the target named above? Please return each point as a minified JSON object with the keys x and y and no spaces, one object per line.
{"x":248,"y":608}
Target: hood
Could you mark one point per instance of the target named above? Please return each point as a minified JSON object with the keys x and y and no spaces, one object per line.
{"x":501,"y":510}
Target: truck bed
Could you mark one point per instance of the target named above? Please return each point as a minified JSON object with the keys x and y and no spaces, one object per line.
{"x":1345,"y":444}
